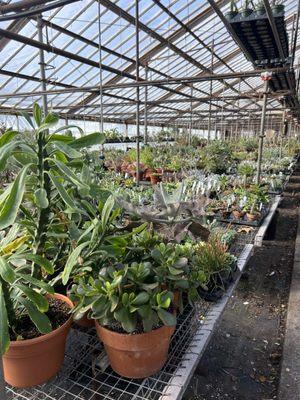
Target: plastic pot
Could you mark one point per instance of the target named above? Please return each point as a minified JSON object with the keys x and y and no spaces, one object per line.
{"x":246,"y":12}
{"x":136,"y":356}
{"x":32,"y":362}
{"x":229,"y":15}
{"x":278,"y":8}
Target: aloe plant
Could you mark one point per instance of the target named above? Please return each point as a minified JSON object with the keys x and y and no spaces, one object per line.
{"x":35,"y":213}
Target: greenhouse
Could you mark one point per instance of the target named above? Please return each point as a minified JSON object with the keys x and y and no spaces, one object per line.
{"x":149,"y":200}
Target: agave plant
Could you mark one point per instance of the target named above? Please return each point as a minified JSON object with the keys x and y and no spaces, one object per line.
{"x":170,"y":214}
{"x":36,"y":212}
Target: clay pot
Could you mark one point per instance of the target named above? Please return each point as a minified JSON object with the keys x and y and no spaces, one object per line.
{"x":252,"y":217}
{"x":148,"y":172}
{"x":237,"y":214}
{"x":154,"y":179}
{"x":32,"y":362}
{"x":84,"y":322}
{"x":136,"y":356}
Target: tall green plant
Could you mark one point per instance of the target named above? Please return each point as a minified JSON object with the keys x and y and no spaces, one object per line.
{"x":36,"y":211}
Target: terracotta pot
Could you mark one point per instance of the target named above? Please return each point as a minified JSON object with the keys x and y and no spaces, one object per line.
{"x":154,"y":179}
{"x":136,"y":356}
{"x":32,"y":362}
{"x":84,"y":322}
{"x":148,"y":172}
{"x":237,"y":214}
{"x":252,"y":217}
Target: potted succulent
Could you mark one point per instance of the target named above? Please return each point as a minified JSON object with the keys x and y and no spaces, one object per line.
{"x":34,"y":320}
{"x":277,"y":7}
{"x":229,"y":15}
{"x":260,"y":10}
{"x":246,"y":10}
{"x":134,"y":317}
{"x":213,"y":268}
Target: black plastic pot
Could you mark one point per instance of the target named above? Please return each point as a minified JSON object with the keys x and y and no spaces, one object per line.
{"x":231,"y":14}
{"x":278,"y":8}
{"x":246,"y":12}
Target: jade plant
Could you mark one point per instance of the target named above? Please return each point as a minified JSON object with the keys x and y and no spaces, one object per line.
{"x":36,"y":212}
{"x":126,"y":297}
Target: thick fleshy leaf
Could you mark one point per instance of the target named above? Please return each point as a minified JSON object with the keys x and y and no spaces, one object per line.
{"x":5,"y":152}
{"x":88,"y":140}
{"x":37,"y":114}
{"x":41,"y":199}
{"x":59,"y":138}
{"x":28,"y":119}
{"x":106,"y":211}
{"x":4,"y":329}
{"x":141,"y":299}
{"x":7,"y":137}
{"x":36,"y":298}
{"x":6,"y":271}
{"x":38,"y":283}
{"x":10,"y":208}
{"x":15,"y":244}
{"x":70,"y":176}
{"x":166,"y":317}
{"x":67,"y":150}
{"x":37,"y":259}
{"x":40,"y":320}
{"x":71,"y":262}
{"x":66,"y":198}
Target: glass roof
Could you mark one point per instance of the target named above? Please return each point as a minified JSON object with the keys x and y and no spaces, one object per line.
{"x":177,"y":39}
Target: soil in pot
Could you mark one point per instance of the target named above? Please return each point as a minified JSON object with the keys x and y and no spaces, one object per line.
{"x":37,"y":358}
{"x":137,"y":355}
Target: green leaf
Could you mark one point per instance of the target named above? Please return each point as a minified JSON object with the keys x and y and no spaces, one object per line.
{"x":67,"y":150}
{"x":36,"y":298}
{"x":141,"y":299}
{"x":6,"y":271}
{"x":71,"y":262}
{"x":70,"y":176}
{"x":7,"y":137}
{"x":38,"y":283}
{"x":85,"y":174}
{"x":5,"y":152}
{"x":106,"y":211}
{"x":37,"y":114}
{"x":88,"y":140}
{"x":127,"y":320}
{"x":40,"y":320}
{"x":59,"y":138}
{"x":66,"y":198}
{"x":28,"y":118}
{"x":12,"y":203}
{"x":37,"y":259}
{"x":51,"y":119}
{"x":166,"y":317}
{"x":41,"y":198}
{"x":4,"y":329}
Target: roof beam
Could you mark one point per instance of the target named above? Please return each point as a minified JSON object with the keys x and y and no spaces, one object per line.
{"x":160,"y":46}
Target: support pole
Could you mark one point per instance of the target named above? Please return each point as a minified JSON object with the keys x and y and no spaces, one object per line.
{"x":146,"y":108}
{"x":42,"y":65}
{"x":266,"y":76}
{"x":137,"y":69}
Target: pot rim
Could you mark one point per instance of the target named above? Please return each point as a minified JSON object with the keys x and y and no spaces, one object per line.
{"x":42,"y":338}
{"x":131,"y":335}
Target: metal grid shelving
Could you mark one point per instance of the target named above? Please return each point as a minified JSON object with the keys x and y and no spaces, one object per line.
{"x":86,"y":374}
